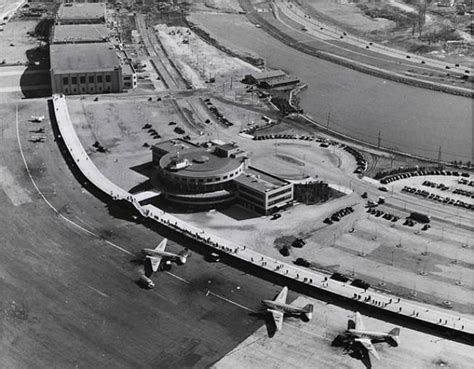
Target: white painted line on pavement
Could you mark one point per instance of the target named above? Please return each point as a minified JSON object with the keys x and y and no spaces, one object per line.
{"x":214,"y":294}
{"x":47,"y":201}
{"x":99,"y":292}
{"x":231,"y":302}
{"x":118,"y":247}
{"x":177,"y":277}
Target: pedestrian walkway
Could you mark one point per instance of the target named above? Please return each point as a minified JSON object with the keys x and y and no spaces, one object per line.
{"x":429,"y":314}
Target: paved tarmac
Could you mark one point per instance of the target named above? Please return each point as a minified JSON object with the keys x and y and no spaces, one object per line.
{"x":69,"y":297}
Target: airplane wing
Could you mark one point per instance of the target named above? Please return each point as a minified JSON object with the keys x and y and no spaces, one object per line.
{"x":359,"y":324}
{"x":367,"y":343}
{"x":162,"y":245}
{"x":277,"y":318}
{"x":282,"y":296}
{"x":155,"y":262}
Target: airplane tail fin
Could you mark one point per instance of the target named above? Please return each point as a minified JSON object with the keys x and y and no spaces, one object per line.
{"x":394,"y":337}
{"x":308,"y":311}
{"x":183,"y":256}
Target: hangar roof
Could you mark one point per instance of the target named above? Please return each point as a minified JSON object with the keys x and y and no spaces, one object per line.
{"x":75,"y":58}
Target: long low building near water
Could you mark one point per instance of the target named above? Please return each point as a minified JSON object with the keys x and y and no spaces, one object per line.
{"x":270,"y":79}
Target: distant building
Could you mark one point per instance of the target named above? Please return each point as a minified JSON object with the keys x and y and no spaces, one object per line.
{"x":81,"y":13}
{"x":270,"y":79}
{"x":216,"y":174}
{"x":79,"y":33}
{"x":87,"y":69}
{"x":286,"y":81}
{"x":265,"y":76}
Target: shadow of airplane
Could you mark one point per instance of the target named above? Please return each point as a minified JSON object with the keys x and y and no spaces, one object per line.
{"x":353,"y":348}
{"x":268,"y":320}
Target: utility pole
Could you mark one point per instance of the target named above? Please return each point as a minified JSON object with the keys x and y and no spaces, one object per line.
{"x":379,"y":139}
{"x":327,"y":124}
{"x":439,"y":154}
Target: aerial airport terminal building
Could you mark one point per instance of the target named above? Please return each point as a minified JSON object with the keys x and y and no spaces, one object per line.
{"x":83,"y":59}
{"x":216,"y":174}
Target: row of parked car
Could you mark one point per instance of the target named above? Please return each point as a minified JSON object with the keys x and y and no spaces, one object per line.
{"x":151,"y":131}
{"x":218,"y":114}
{"x":356,"y":282}
{"x":361,"y":162}
{"x":381,"y":213}
{"x":443,"y":187}
{"x":440,"y":186}
{"x":465,"y":182}
{"x":338,"y":215}
{"x":287,"y":137}
{"x":427,"y":172}
{"x":460,"y":191}
{"x":444,"y":199}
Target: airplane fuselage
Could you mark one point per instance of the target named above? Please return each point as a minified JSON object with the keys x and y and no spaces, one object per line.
{"x":162,"y":254}
{"x":368,"y":334}
{"x":286,"y":308}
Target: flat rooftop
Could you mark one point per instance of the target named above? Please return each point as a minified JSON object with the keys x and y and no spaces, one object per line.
{"x":268,"y":74}
{"x":80,"y":33}
{"x":173,"y":145}
{"x":259,"y":180}
{"x":204,"y":163}
{"x":73,"y":58}
{"x":81,"y":11}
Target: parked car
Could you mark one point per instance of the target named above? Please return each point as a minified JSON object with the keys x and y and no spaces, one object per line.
{"x":302,"y":262}
{"x":339,"y":277}
{"x":360,"y":283}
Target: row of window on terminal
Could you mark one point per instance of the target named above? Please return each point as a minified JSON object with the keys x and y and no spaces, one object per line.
{"x":82,"y":79}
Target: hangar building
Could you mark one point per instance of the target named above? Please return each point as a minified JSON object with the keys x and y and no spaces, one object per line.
{"x":88,"y":68}
{"x":82,"y":60}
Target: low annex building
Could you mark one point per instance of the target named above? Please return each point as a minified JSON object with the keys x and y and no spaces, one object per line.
{"x":216,"y":174}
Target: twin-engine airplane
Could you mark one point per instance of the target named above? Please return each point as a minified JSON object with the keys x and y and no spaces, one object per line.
{"x":37,"y":118}
{"x":156,"y":255}
{"x":278,"y":307}
{"x":356,"y":330}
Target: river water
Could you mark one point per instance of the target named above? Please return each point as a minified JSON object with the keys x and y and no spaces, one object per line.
{"x":409,"y":119}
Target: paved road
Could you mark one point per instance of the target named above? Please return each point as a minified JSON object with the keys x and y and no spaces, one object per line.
{"x":69,"y":298}
{"x":327,"y":32}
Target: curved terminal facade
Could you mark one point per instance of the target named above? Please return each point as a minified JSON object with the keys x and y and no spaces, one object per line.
{"x":216,"y":173}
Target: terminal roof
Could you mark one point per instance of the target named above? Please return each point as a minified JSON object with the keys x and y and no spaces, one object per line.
{"x":203,"y":163}
{"x":75,"y":58}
